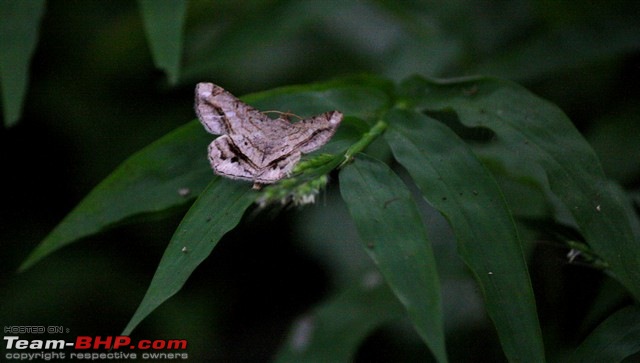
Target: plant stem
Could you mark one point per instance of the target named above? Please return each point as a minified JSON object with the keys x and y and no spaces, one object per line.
{"x":366,"y":139}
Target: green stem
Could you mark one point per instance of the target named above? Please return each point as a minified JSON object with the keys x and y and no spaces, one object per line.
{"x":365,"y":141}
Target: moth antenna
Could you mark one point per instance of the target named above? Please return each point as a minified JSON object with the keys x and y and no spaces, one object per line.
{"x":284,"y":114}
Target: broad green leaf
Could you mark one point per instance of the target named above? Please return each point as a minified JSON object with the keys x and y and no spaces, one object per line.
{"x":536,"y":134}
{"x":217,"y":210}
{"x":163,"y":24}
{"x":454,"y":181}
{"x":158,"y":291}
{"x":612,"y":341}
{"x":333,"y":330}
{"x":392,"y":232}
{"x":19,"y":24}
{"x":361,"y":96}
{"x":152,"y":180}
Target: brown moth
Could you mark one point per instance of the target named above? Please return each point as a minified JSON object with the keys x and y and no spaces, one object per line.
{"x":253,"y":146}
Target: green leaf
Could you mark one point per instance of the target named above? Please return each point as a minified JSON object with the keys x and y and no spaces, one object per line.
{"x":163,"y":285}
{"x":149,"y":181}
{"x":391,"y":229}
{"x":333,"y":331}
{"x":537,"y":135}
{"x":614,"y":135}
{"x":163,"y":24}
{"x":19,"y":21}
{"x":217,"y":210}
{"x":612,"y":341}
{"x":359,"y":96}
{"x":454,"y":181}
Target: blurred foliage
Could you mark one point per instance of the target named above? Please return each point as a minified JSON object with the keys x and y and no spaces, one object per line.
{"x":94,"y":97}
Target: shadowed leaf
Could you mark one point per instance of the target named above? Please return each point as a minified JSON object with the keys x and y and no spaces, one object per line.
{"x":163,"y":24}
{"x":612,"y":341}
{"x":19,"y":24}
{"x":333,"y":331}
{"x":165,"y":174}
{"x":217,"y":210}
{"x":393,"y":235}
{"x":454,"y":181}
{"x":537,"y":136}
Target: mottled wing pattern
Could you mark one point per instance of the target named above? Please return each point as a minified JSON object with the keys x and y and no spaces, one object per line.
{"x":316,"y":131}
{"x":222,"y":113}
{"x":252,"y":146}
{"x":224,"y":159}
{"x":278,"y":169}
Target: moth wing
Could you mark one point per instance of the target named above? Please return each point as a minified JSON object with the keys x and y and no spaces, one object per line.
{"x":278,"y":169}
{"x":312,"y":133}
{"x":221,"y":113}
{"x":225,"y":161}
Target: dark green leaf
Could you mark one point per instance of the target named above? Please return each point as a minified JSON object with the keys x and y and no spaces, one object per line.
{"x":362,"y":97}
{"x":217,"y":210}
{"x":453,"y":180}
{"x":391,"y":229}
{"x":614,"y":135}
{"x":163,"y":24}
{"x":612,"y":341}
{"x":333,"y":331}
{"x":165,"y":283}
{"x":149,"y":181}
{"x":537,"y":135}
{"x":19,"y":24}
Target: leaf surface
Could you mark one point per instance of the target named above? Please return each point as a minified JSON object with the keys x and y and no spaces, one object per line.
{"x":454,"y":181}
{"x":537,"y":135}
{"x":152,"y":180}
{"x":333,"y":331}
{"x":393,"y":235}
{"x":163,"y":24}
{"x":612,"y":341}
{"x":19,"y":25}
{"x":217,"y":211}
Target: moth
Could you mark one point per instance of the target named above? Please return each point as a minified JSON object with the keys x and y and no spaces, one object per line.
{"x":252,"y":146}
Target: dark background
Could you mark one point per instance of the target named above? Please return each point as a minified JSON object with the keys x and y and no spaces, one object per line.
{"x":95,"y":98}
